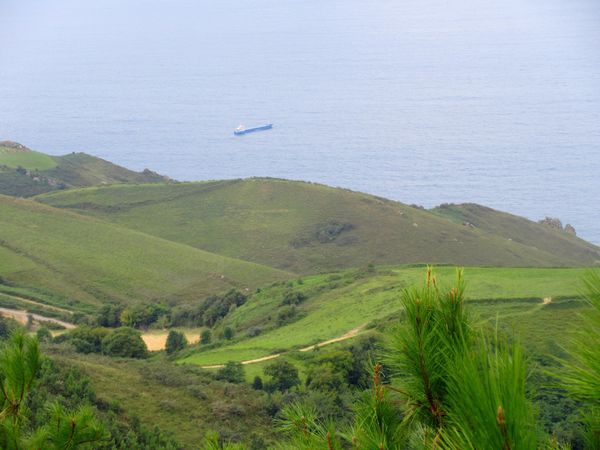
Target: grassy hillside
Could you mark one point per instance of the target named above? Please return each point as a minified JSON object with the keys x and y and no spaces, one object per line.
{"x":513,"y":227}
{"x":79,"y":262}
{"x":180,"y":400}
{"x":337,"y":303}
{"x":309,"y":228}
{"x":15,"y":155}
{"x":24,"y":172}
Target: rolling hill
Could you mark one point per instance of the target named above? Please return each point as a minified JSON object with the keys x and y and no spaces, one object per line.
{"x":78,"y":262}
{"x":310,"y":228}
{"x":334,"y":304}
{"x":24,"y":172}
{"x":508,"y":226}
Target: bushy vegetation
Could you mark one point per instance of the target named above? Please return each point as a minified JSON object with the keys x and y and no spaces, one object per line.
{"x":20,"y":364}
{"x":24,"y":172}
{"x":337,"y":303}
{"x":579,"y":374}
{"x":124,"y":341}
{"x":283,"y":376}
{"x":175,"y":341}
{"x":232,"y":372}
{"x":453,"y":384}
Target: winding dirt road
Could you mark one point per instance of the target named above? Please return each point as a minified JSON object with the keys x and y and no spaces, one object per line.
{"x":349,"y":335}
{"x":21,"y":316}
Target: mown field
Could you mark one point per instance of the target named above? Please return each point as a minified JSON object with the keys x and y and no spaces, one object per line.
{"x":338,"y":303}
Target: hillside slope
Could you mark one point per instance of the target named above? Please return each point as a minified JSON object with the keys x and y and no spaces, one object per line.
{"x":330,"y":305}
{"x":79,"y":262}
{"x":308,"y":228}
{"x":24,"y":172}
{"x":512,"y":227}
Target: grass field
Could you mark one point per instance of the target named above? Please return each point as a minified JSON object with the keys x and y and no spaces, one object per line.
{"x":78,"y":263}
{"x":310,"y":228}
{"x":28,"y":159}
{"x":341,"y":302}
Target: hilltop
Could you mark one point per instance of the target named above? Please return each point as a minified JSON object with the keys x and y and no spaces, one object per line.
{"x":77,"y":262}
{"x":24,"y":172}
{"x":310,"y":228}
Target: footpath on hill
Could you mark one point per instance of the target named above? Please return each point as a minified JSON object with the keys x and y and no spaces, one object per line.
{"x":349,"y":335}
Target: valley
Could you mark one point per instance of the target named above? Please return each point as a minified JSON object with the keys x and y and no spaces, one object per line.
{"x":190,"y":294}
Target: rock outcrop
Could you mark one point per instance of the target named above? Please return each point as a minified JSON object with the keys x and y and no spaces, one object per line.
{"x":556,"y":224}
{"x":14,"y":146}
{"x":570,"y":229}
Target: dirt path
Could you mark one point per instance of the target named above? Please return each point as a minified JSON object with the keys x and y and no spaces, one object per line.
{"x":33,"y":302}
{"x":21,"y":316}
{"x":349,"y":335}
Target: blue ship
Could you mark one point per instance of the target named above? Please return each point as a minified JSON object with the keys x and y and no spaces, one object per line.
{"x":241,"y":130}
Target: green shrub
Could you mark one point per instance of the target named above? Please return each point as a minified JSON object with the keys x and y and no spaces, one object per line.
{"x":44,"y":335}
{"x":233,"y":372}
{"x":228,"y":333}
{"x":283,"y":375}
{"x":125,"y":342}
{"x":257,"y":383}
{"x":20,"y":363}
{"x":205,"y":337}
{"x":85,"y":339}
{"x":293,"y":298}
{"x":175,"y":341}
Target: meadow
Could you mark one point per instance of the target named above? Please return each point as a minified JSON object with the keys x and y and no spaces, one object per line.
{"x":340,"y":302}
{"x":79,"y":263}
{"x":27,"y":159}
{"x":308,"y":228}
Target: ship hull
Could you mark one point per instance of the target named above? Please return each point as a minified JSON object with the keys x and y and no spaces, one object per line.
{"x":253,"y":130}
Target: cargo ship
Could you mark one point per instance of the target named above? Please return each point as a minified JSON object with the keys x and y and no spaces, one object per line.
{"x":241,"y":130}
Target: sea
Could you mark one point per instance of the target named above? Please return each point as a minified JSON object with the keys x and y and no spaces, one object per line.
{"x":421,"y":101}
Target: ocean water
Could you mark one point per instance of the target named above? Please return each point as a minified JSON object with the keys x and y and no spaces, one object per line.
{"x":422,"y":101}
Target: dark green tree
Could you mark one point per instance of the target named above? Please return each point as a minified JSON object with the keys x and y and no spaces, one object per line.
{"x":175,"y":341}
{"x":233,"y":372}
{"x":283,"y":375}
{"x":205,"y":337}
{"x":125,"y":342}
{"x":86,"y":339}
{"x":257,"y":383}
{"x":20,"y":362}
{"x":228,"y":333}
{"x":44,"y":334}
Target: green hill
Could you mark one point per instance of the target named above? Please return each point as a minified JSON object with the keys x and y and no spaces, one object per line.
{"x":310,"y":228}
{"x":24,"y":172}
{"x":13,"y":155}
{"x":78,"y":262}
{"x":180,"y":400}
{"x":334,"y":304}
{"x":512,"y":227}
